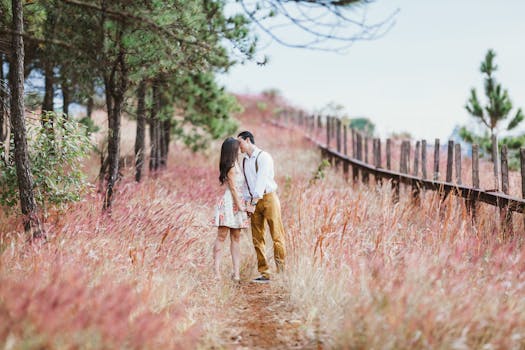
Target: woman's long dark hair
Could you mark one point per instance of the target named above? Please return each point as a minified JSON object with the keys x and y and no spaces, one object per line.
{"x":229,"y":153}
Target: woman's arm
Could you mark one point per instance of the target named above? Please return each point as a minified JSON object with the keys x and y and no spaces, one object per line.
{"x":233,"y":189}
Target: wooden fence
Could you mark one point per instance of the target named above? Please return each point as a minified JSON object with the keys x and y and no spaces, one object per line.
{"x":335,"y":148}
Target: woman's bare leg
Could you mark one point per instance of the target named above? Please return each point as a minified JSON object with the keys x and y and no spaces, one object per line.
{"x":235,"y":235}
{"x":222,"y":232}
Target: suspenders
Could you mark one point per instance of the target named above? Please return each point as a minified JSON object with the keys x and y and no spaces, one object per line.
{"x":244,"y":172}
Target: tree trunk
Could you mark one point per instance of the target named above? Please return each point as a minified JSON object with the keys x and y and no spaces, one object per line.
{"x":2,"y":97}
{"x":103,"y":158}
{"x":152,"y":149}
{"x":23,"y":168}
{"x":89,"y":107}
{"x":116,"y":86}
{"x":158,"y":132}
{"x":66,"y":94}
{"x":141,"y":130}
{"x":164,"y":129}
{"x":102,"y":172}
{"x":47,"y":104}
{"x":153,"y":160}
{"x":166,"y":141}
{"x":113,"y":147}
{"x":160,"y":135}
{"x":90,"y":103}
{"x":160,"y":141}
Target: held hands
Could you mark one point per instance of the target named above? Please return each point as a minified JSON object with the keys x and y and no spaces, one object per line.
{"x":245,"y":206}
{"x":248,"y":208}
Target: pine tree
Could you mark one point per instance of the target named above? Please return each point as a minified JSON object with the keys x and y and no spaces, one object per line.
{"x":23,"y":167}
{"x":497,"y":109}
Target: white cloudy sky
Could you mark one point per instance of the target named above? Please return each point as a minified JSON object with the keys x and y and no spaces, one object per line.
{"x":416,"y":78}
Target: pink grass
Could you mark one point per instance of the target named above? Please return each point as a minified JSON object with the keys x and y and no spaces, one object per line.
{"x":362,"y":273}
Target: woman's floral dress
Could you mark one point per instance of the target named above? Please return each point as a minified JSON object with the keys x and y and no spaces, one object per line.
{"x":226,"y":212}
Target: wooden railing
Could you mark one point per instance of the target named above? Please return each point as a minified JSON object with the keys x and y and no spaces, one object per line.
{"x":363,"y":167}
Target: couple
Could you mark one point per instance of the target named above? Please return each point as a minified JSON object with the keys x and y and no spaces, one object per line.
{"x":250,"y":192}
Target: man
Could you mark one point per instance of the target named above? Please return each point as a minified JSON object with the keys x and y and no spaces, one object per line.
{"x":263,"y":204}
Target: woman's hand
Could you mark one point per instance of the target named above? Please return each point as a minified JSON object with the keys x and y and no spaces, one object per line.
{"x":250,"y":209}
{"x":238,"y":207}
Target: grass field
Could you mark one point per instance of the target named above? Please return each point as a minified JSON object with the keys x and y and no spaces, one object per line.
{"x":362,"y":273}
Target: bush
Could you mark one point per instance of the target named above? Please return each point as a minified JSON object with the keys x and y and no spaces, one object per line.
{"x":56,"y":150}
{"x":33,"y":100}
{"x":89,"y":124}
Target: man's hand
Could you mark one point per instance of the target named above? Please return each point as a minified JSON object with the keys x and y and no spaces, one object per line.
{"x":250,"y":209}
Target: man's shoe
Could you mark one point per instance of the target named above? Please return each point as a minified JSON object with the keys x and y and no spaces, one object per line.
{"x":261,"y":279}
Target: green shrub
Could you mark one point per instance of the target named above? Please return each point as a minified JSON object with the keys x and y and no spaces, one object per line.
{"x":89,"y":124}
{"x":319,"y":174}
{"x":56,"y":150}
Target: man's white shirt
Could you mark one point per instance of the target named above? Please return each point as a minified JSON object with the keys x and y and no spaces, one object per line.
{"x":262,"y":181}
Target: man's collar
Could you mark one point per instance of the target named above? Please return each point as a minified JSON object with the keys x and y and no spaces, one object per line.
{"x":255,"y":152}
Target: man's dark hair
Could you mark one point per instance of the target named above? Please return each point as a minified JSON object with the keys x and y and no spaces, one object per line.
{"x":247,"y":135}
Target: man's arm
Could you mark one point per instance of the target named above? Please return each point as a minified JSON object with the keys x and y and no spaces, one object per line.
{"x":245,"y":192}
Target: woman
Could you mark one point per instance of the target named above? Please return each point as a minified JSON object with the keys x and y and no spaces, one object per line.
{"x":230,"y":213}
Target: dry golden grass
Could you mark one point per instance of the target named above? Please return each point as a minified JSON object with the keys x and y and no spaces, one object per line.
{"x":362,"y":273}
{"x":370,"y":274}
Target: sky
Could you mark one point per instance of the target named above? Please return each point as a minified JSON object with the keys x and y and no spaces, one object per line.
{"x":416,"y":78}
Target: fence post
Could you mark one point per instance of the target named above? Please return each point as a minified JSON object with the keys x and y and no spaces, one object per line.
{"x":457,"y":155}
{"x":345,"y":143}
{"x":457,"y":160}
{"x":327,"y":132}
{"x":354,"y":141}
{"x":424,"y":159}
{"x":450,"y":159}
{"x":338,"y":125}
{"x":338,"y":140}
{"x":359,"y":146}
{"x":345,"y":140}
{"x":408,"y":156}
{"x":374,"y":157}
{"x":415,"y":185}
{"x":333,"y":126}
{"x":389,"y":154}
{"x":475,"y":181}
{"x":355,"y":169}
{"x":506,"y":214}
{"x":415,"y":171}
{"x":366,"y":174}
{"x":366,"y":150}
{"x":378,"y":165}
{"x":436,"y":160}
{"x":374,"y":151}
{"x":395,"y":181}
{"x":405,"y":156}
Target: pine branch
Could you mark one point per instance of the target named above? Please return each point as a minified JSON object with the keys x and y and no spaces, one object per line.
{"x":518,"y":118}
{"x":123,"y":16}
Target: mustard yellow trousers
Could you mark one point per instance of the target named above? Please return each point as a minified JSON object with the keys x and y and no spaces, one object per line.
{"x":268,"y":210}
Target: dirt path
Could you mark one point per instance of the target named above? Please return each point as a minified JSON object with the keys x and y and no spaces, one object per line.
{"x":264,"y":319}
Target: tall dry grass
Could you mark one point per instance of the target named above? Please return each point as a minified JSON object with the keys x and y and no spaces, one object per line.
{"x":362,"y":273}
{"x":368,"y":274}
{"x":137,"y":277}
